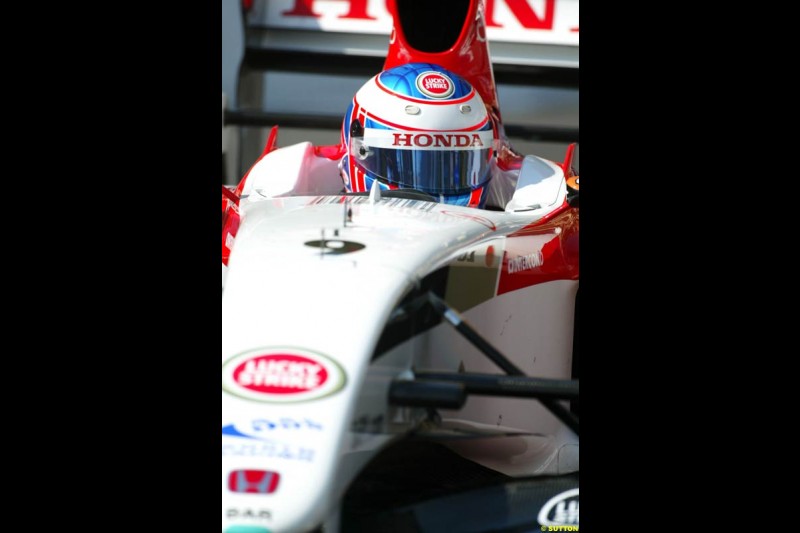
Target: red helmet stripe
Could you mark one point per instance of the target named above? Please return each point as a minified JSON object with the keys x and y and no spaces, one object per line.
{"x":476,"y":127}
{"x":372,"y":116}
{"x":352,"y":172}
{"x":362,"y":182}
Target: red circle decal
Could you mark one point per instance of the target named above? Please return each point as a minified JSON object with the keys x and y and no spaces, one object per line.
{"x":435,"y":85}
{"x":280,"y":374}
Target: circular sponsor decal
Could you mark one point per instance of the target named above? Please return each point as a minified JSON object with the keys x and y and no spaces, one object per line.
{"x":435,"y":84}
{"x":561,"y":510}
{"x":281,"y":375}
{"x":335,"y":246}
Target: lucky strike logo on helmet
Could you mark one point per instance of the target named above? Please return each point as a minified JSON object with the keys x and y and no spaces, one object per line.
{"x":435,"y":84}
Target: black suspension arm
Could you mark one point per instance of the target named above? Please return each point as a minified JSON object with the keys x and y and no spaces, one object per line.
{"x":472,"y":336}
{"x":498,"y":358}
{"x":511,"y":386}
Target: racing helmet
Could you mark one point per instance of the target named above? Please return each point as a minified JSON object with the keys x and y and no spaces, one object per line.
{"x":423,"y":127}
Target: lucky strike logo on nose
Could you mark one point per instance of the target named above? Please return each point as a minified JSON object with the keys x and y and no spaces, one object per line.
{"x":281,"y":375}
{"x":435,"y":85}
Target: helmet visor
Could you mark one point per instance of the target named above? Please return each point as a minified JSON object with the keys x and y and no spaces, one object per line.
{"x":434,"y":162}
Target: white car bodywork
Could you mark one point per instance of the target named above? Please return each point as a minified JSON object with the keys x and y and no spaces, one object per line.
{"x":293,"y":286}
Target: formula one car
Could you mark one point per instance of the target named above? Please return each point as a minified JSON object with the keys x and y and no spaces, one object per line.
{"x":390,"y":361}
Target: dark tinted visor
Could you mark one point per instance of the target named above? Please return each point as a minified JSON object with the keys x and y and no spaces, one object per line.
{"x":446,"y":162}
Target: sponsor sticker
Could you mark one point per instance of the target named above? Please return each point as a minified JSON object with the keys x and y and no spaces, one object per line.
{"x":435,"y":84}
{"x":238,"y":513}
{"x":530,"y":259}
{"x":268,"y":450}
{"x":416,"y":140}
{"x":281,"y":375}
{"x":263,"y":428}
{"x":521,"y":21}
{"x":561,"y":510}
{"x":253,"y":481}
{"x":335,"y":246}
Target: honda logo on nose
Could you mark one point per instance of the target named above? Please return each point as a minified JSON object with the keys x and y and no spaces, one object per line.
{"x":253,"y":481}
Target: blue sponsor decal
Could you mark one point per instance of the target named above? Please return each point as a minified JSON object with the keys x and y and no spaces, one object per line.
{"x":262,"y":428}
{"x":285,"y":423}
{"x":231,"y":431}
{"x":272,"y":450}
{"x":260,"y":442}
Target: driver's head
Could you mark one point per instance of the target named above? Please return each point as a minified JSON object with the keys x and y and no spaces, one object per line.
{"x":422,"y":127}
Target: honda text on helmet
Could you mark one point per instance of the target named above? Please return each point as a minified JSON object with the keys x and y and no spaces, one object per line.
{"x":422,"y":127}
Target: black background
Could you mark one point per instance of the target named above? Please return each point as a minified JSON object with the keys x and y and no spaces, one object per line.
{"x":113,"y":301}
